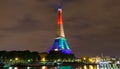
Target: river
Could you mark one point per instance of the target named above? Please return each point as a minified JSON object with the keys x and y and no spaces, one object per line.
{"x":106,"y":66}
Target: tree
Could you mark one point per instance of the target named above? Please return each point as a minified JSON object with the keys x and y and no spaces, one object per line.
{"x":59,"y":55}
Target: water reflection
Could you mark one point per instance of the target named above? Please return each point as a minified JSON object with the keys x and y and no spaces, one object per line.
{"x":112,"y":66}
{"x":44,"y":67}
{"x":28,"y":67}
{"x":87,"y":67}
{"x":65,"y":67}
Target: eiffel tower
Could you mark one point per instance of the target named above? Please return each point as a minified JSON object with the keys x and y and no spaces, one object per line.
{"x":60,"y":43}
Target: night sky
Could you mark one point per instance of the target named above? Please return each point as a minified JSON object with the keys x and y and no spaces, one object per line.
{"x":92,"y":27}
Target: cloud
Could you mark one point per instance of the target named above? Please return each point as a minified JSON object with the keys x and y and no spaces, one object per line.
{"x":25,"y":25}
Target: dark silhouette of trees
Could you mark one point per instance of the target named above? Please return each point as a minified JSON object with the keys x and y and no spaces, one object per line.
{"x":22,"y":56}
{"x":59,"y":55}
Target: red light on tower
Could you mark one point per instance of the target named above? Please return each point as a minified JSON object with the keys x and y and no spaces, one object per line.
{"x":59,"y":16}
{"x":60,"y":24}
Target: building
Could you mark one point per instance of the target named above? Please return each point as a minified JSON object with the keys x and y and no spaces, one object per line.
{"x":60,"y":48}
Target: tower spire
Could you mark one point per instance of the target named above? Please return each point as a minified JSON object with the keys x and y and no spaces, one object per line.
{"x":60,"y":24}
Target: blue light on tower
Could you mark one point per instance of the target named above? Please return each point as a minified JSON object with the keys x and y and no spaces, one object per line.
{"x":60,"y":44}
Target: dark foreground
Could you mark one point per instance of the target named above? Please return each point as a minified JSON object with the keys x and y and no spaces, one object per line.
{"x":85,"y":66}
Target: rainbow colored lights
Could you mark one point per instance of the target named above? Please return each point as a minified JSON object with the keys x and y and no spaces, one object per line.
{"x":60,"y":24}
{"x":60,"y":43}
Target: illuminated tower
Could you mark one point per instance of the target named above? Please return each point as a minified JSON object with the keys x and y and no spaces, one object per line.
{"x":60,"y":43}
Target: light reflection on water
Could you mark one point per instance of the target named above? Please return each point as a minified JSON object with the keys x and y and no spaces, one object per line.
{"x":69,"y":67}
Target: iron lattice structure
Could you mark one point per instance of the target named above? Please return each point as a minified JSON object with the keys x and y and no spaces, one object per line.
{"x":60,"y":43}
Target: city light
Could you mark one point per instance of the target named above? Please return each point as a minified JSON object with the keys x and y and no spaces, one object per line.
{"x":16,"y":58}
{"x":43,"y":59}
